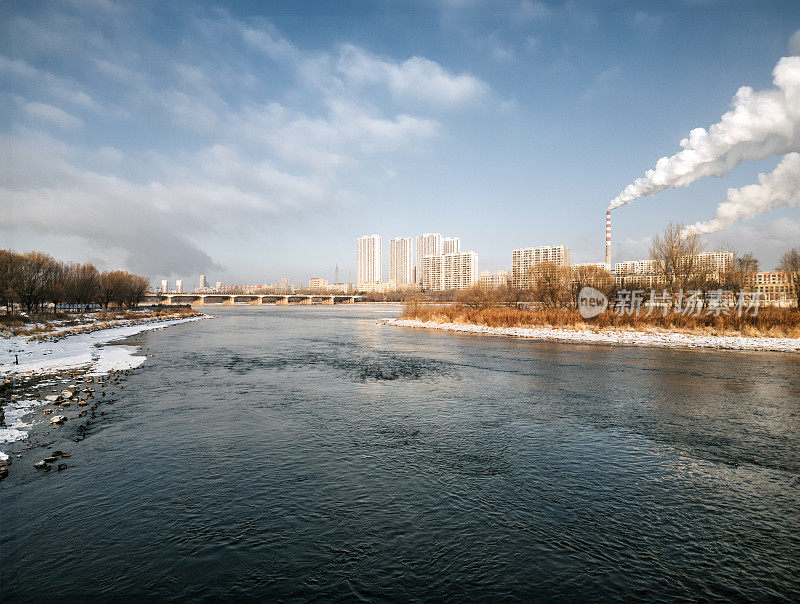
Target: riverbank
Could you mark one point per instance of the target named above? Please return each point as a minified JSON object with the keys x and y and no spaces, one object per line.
{"x":59,"y":364}
{"x":627,"y":337}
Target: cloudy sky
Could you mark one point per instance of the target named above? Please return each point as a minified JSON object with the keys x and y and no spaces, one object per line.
{"x":252,"y":140}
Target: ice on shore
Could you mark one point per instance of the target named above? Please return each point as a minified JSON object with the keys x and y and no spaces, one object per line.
{"x":624,"y":337}
{"x":79,"y":350}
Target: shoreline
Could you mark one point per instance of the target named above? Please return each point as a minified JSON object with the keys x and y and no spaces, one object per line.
{"x":651,"y":337}
{"x":48,"y":365}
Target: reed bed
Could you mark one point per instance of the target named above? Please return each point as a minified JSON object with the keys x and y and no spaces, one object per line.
{"x":769,"y":322}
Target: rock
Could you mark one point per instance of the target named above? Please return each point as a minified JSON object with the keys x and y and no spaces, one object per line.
{"x":56,"y":453}
{"x":57,"y":419}
{"x":48,"y":411}
{"x":82,"y":403}
{"x":3,"y":472}
{"x":66,"y":394}
{"x":50,"y":459}
{"x":51,"y":398}
{"x":62,"y":466}
{"x":66,"y":404}
{"x":47,"y":468}
{"x":40,"y":465}
{"x":65,"y":454}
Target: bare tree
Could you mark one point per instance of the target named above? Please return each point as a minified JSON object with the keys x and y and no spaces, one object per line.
{"x":550,"y":285}
{"x":477,"y":297}
{"x":790,"y":264}
{"x":675,"y":254}
{"x":590,"y":276}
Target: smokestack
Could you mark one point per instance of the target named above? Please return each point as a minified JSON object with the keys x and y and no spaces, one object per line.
{"x":608,"y":240}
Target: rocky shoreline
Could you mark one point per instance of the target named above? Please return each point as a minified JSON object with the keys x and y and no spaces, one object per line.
{"x":649,"y":337}
{"x":55,"y":394}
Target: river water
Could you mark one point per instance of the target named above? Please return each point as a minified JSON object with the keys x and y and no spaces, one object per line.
{"x":312,"y":453}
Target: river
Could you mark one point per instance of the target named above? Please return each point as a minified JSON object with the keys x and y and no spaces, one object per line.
{"x":309,"y":452}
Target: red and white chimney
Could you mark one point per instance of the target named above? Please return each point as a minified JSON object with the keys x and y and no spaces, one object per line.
{"x":608,"y":240}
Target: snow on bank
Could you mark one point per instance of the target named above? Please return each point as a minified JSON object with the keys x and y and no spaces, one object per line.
{"x":79,"y":350}
{"x":652,"y":337}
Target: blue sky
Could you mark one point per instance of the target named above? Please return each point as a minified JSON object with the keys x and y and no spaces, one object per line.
{"x":252,"y":140}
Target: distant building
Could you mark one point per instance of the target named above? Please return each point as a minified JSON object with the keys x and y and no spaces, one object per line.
{"x":451,"y":245}
{"x":401,"y":268}
{"x":164,"y":286}
{"x":219,"y":285}
{"x":601,"y":265}
{"x":203,"y":282}
{"x":368,"y":260}
{"x":489,"y":281}
{"x":457,"y":270}
{"x":523,"y":259}
{"x":776,"y":287}
{"x":179,"y":287}
{"x":429,"y":244}
{"x":318,"y":284}
{"x":377,"y":286}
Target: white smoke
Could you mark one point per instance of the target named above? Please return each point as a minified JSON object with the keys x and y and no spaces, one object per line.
{"x":779,"y":188}
{"x":760,"y":124}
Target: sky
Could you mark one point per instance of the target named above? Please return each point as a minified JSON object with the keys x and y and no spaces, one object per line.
{"x":253,"y":140}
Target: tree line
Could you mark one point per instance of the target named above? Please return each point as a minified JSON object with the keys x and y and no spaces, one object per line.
{"x":35,"y":280}
{"x":677,"y":267}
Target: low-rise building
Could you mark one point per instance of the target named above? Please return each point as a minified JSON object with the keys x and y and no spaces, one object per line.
{"x":776,"y":287}
{"x":489,"y":281}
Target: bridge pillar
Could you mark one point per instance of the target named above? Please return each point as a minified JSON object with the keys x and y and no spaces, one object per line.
{"x":328,"y":300}
{"x":257,"y":302}
{"x":282,"y":301}
{"x":228,"y":301}
{"x":306,"y":300}
{"x":199,"y":302}
{"x":168,"y":300}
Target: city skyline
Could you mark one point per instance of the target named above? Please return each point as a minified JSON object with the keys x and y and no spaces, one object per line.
{"x":222,"y":140}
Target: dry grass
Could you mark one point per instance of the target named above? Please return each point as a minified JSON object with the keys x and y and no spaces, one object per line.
{"x":88,"y":323}
{"x":770,"y":322}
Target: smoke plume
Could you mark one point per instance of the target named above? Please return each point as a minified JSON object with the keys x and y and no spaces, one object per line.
{"x":779,"y":188}
{"x":759,"y":125}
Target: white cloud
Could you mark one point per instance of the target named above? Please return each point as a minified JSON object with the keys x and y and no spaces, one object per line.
{"x":54,"y":115}
{"x":416,"y":78}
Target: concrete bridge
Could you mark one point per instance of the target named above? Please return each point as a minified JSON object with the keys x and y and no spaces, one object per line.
{"x":250,"y":299}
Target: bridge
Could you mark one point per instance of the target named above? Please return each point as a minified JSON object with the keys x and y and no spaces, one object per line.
{"x":248,"y":299}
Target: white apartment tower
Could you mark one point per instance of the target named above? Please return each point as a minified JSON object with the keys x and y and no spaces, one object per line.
{"x":368,"y":259}
{"x":429,"y":244}
{"x":450,"y":245}
{"x":522,"y":259}
{"x":203,"y":282}
{"x":179,"y":286}
{"x":457,"y":270}
{"x":164,"y":286}
{"x":401,"y":268}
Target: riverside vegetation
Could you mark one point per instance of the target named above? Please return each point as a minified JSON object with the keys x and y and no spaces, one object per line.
{"x":550,"y":296}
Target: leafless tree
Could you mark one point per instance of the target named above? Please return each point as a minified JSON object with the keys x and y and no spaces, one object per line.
{"x":790,"y":263}
{"x":590,"y":276}
{"x":550,"y":285}
{"x":675,"y":254}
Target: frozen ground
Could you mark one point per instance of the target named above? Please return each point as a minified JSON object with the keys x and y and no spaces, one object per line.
{"x":652,"y":337}
{"x":80,"y":350}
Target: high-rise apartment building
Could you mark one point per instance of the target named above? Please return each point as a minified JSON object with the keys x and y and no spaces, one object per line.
{"x":164,"y":286}
{"x":203,"y":282}
{"x":449,"y":271}
{"x":450,"y":245}
{"x":179,"y":287}
{"x":368,"y":259}
{"x":401,"y":268}
{"x":429,"y":244}
{"x":523,"y":259}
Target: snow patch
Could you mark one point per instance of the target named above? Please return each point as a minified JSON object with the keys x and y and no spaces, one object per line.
{"x":651,"y":337}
